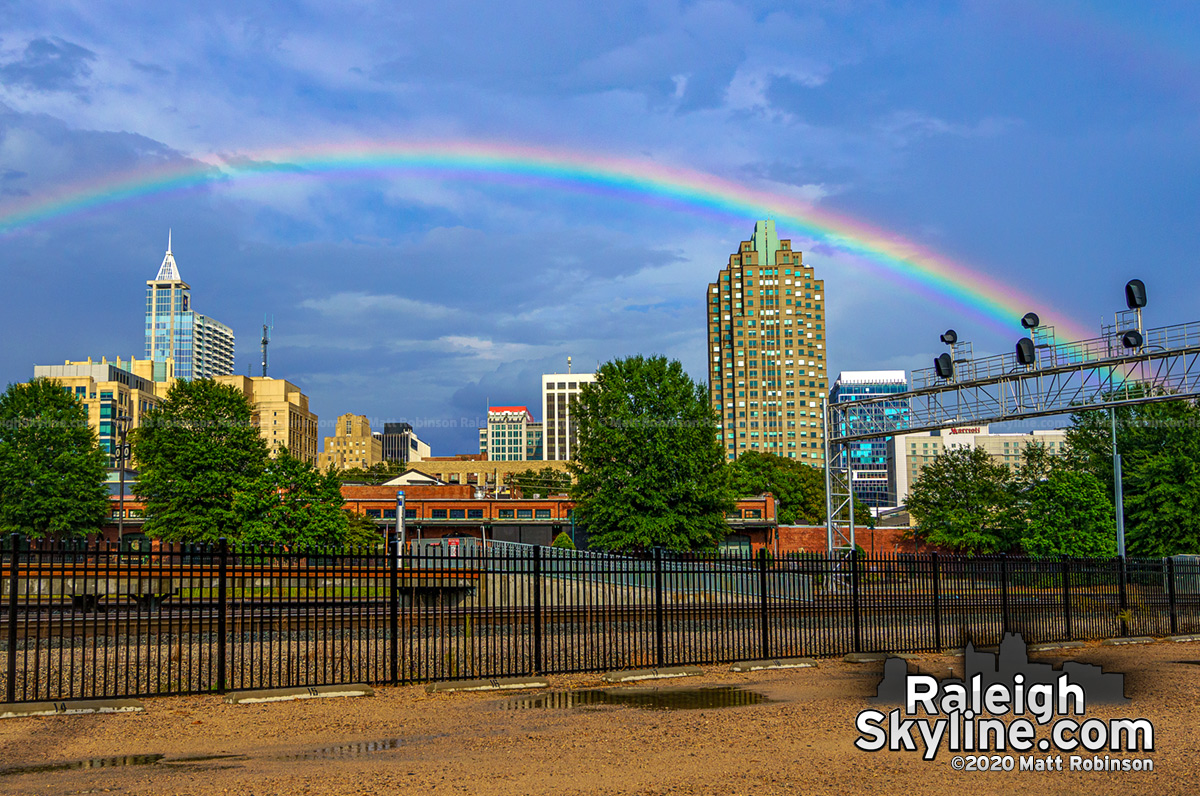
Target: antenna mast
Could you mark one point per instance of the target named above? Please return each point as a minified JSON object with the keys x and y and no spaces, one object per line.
{"x":266,"y":339}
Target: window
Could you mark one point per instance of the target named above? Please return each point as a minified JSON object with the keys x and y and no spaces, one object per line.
{"x":373,"y":513}
{"x":389,"y":514}
{"x":542,"y":514}
{"x":410,"y":514}
{"x":524,"y":514}
{"x":474,"y":514}
{"x":438,"y":514}
{"x":458,"y":514}
{"x":505,"y":514}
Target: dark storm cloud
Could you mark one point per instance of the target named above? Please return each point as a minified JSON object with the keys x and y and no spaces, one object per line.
{"x":49,"y":64}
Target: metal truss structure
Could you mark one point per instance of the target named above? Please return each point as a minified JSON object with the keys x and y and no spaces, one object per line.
{"x":1066,"y":377}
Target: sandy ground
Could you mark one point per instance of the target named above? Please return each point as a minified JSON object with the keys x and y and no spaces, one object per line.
{"x":405,"y":741}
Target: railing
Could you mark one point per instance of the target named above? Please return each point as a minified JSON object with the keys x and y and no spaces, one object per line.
{"x":96,"y":620}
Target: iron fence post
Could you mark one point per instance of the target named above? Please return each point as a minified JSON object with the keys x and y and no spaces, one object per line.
{"x":659,"y":639}
{"x":10,"y":692}
{"x":393,"y":549}
{"x":222,"y":611}
{"x":1171,"y":593}
{"x":764,"y":625}
{"x":855,"y":598}
{"x":1124,"y":596}
{"x":937,"y":603}
{"x":1004,"y":624}
{"x":537,"y":609}
{"x":1066,"y":597}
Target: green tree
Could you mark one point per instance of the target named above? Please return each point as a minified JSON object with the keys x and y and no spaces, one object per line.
{"x":563,"y":541}
{"x":51,"y":468}
{"x":546,"y":481}
{"x":292,"y":503}
{"x":1069,"y":514}
{"x":362,"y":532}
{"x":650,"y":470}
{"x":196,"y":452}
{"x":1160,"y":462}
{"x":964,"y":501}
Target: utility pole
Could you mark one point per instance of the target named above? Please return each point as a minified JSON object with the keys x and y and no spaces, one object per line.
{"x":1118,"y":493}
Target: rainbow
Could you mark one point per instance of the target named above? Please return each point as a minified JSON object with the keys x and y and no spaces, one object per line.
{"x":885,"y":253}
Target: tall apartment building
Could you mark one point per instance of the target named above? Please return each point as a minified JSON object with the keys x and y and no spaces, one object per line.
{"x":869,"y":458}
{"x":767,"y":347}
{"x":200,"y":347}
{"x":401,"y":444}
{"x":559,"y":392}
{"x":909,"y":453}
{"x":352,"y":445}
{"x":111,"y":391}
{"x":281,"y":413}
{"x":511,"y":435}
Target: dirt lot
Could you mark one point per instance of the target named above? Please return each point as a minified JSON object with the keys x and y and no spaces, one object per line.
{"x":405,"y":741}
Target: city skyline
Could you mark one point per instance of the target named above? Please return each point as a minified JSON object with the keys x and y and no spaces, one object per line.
{"x":572,"y":198}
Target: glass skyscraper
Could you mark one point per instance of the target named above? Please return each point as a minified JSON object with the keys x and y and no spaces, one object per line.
{"x":201,"y":347}
{"x":868,"y":458}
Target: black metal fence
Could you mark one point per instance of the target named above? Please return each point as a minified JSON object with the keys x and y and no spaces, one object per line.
{"x":102,"y":620}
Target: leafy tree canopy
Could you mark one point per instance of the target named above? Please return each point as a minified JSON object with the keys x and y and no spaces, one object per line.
{"x":963,"y":500}
{"x":51,"y":469}
{"x":1069,"y":514}
{"x":1160,"y":462}
{"x":292,"y":503}
{"x":650,"y":470}
{"x":196,"y":452}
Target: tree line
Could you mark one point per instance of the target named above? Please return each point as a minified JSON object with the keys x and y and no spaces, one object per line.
{"x":650,"y":471}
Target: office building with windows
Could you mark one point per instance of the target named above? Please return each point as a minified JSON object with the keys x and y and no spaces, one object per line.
{"x":767,"y":348}
{"x":869,"y":458}
{"x":511,"y":435}
{"x":559,"y":393}
{"x":352,"y":445}
{"x":908,"y":454}
{"x":112,"y":390}
{"x":200,"y":347}
{"x":401,"y":444}
{"x":280,"y":411}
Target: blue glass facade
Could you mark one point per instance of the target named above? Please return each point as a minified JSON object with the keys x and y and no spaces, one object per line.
{"x":869,"y":457}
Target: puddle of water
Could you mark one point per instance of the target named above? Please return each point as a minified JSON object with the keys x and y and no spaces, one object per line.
{"x":95,"y":762}
{"x":723,"y":696}
{"x":113,"y":762}
{"x":347,"y":750}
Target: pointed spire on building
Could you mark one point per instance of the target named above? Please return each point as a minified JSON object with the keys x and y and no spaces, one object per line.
{"x":168,"y":272}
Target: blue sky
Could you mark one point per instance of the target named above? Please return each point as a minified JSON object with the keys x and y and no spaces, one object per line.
{"x":1054,"y":144}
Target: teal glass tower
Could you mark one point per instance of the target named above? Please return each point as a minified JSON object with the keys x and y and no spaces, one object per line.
{"x":200,"y":346}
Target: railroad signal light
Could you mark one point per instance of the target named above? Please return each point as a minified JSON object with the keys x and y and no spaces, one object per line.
{"x":1132,"y":339}
{"x":950,"y":337}
{"x":1135,"y":294}
{"x":1030,"y":320}
{"x":1026,"y":354}
{"x":944,"y":366}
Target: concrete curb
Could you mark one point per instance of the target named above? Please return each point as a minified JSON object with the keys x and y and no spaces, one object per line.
{"x":289,"y":694}
{"x":1120,"y":642}
{"x":15,"y":710}
{"x":872,"y":657}
{"x":1056,"y":645}
{"x":633,"y":675}
{"x":496,"y":684}
{"x":779,"y":663}
{"x":1185,"y":637}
